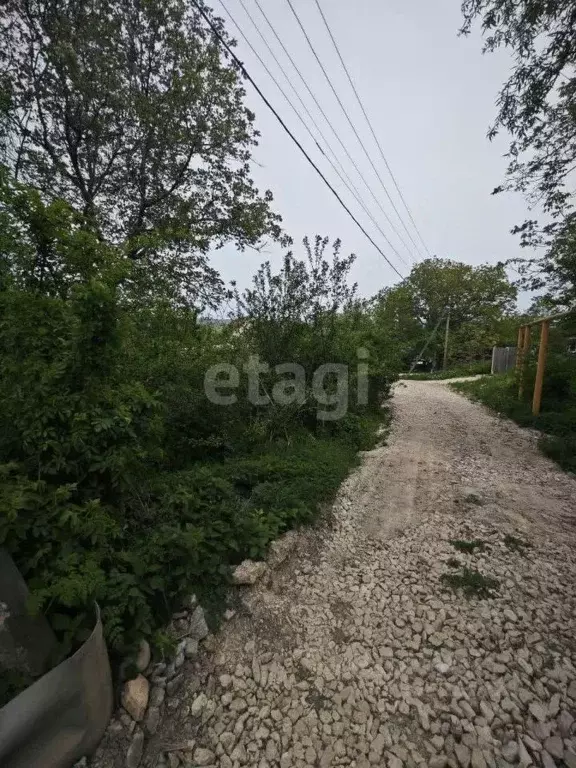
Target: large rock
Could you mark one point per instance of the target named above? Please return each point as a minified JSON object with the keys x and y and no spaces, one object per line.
{"x":462,"y":754}
{"x":537,"y":711}
{"x":523,"y":756}
{"x":248,"y":572}
{"x":510,"y":752}
{"x":198,"y":629}
{"x":478,"y":760}
{"x":565,"y":722}
{"x":135,"y":697}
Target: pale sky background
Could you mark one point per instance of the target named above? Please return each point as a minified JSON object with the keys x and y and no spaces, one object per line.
{"x":431,"y":97}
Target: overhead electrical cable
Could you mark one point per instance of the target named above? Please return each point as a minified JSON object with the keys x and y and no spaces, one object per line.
{"x":248,"y":77}
{"x":331,"y":125}
{"x":347,"y":116}
{"x":382,"y":155}
{"x":342,"y":174}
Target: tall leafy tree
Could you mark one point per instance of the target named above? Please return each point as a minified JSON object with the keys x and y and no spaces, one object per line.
{"x":537,"y":107}
{"x":129,"y":111}
{"x":305,"y":294}
{"x":477,"y":298}
{"x":469,"y":292}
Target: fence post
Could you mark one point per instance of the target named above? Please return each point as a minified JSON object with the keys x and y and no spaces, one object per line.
{"x":519,"y":345}
{"x":542,"y":351}
{"x":524,"y":354}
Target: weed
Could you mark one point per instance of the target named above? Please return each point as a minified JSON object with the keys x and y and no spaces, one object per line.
{"x":472,"y":497}
{"x":472,"y":583}
{"x":453,"y":562}
{"x":468,"y":546}
{"x":515,"y":544}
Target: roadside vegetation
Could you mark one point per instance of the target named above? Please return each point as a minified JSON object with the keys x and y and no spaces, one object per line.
{"x":557,"y":420}
{"x":535,"y":108}
{"x":482,"y":304}
{"x":474,"y":368}
{"x":122,"y":482}
{"x":472,"y":583}
{"x":144,"y":451}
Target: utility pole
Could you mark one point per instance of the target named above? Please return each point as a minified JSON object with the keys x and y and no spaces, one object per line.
{"x":446,"y":338}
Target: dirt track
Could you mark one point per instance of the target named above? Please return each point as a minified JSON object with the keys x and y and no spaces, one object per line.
{"x":356,"y":653}
{"x":441,"y":442}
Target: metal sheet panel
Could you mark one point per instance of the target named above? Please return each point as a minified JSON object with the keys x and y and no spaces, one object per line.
{"x":64,"y":714}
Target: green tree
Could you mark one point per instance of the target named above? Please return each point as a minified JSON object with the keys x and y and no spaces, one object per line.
{"x":130,"y":112}
{"x":477,"y":297}
{"x":301,"y":302}
{"x":396,"y":324}
{"x":537,"y":107}
{"x":46,"y":247}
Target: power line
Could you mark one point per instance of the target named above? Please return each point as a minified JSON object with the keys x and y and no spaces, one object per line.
{"x":347,"y":116}
{"x":342,"y":174}
{"x":331,"y":126}
{"x":242,"y":68}
{"x":359,"y":100}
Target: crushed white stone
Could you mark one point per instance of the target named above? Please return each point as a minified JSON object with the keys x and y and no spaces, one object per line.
{"x":357,"y":654}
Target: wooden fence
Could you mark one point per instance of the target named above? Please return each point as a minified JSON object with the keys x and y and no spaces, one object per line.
{"x":503,"y":359}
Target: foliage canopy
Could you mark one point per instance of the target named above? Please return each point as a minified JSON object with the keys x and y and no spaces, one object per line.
{"x":537,"y":107}
{"x":130,"y":113}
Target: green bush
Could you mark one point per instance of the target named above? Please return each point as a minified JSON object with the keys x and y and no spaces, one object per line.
{"x":75,"y":437}
{"x":121,"y":482}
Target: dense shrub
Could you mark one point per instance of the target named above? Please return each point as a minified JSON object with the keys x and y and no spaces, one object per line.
{"x":122,"y":483}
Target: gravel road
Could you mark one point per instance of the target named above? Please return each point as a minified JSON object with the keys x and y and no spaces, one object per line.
{"x":357,"y":652}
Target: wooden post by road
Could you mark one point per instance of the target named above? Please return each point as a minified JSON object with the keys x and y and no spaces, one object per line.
{"x":519,"y":347}
{"x":544,"y":334}
{"x":523,"y":356}
{"x":446,"y":340}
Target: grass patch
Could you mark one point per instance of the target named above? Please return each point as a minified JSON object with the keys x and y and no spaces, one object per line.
{"x":468,"y":546}
{"x":515,"y":544}
{"x":453,"y":562}
{"x":472,"y":583}
{"x":473,"y":497}
{"x":468,"y":369}
{"x":557,"y":420}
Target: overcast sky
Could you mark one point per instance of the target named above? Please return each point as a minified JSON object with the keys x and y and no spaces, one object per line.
{"x":430,"y":95}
